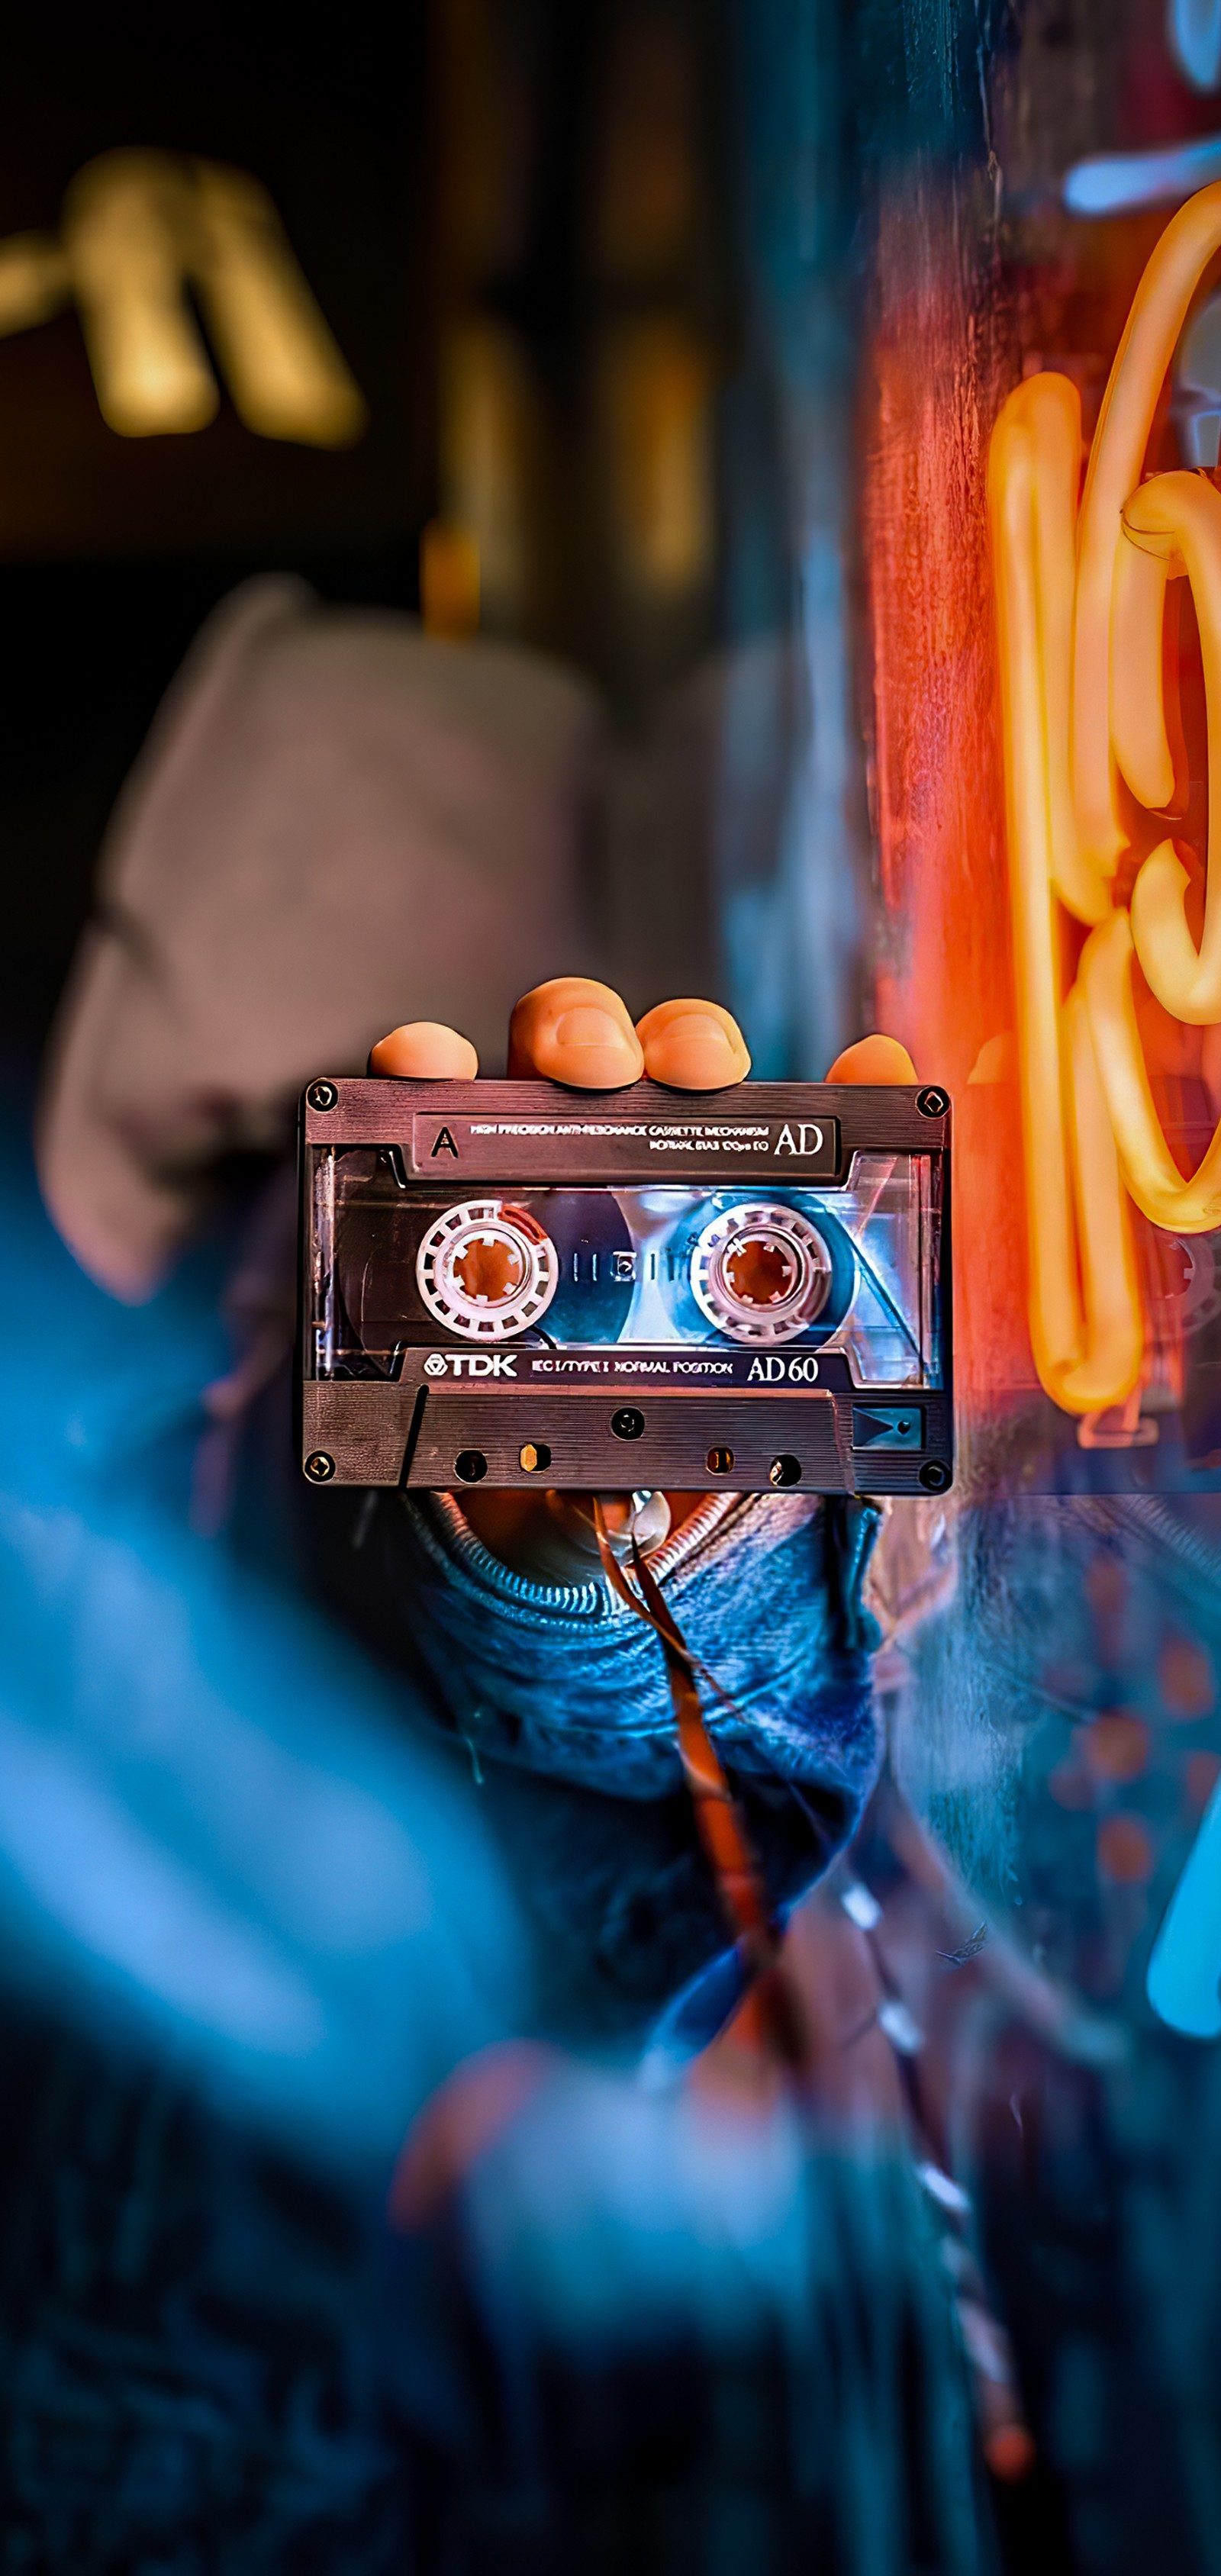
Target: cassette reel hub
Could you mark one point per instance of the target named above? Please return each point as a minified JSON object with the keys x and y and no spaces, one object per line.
{"x":487,"y":1270}
{"x":760,"y":1273}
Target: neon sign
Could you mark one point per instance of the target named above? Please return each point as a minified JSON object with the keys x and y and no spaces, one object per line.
{"x":1080,"y":597}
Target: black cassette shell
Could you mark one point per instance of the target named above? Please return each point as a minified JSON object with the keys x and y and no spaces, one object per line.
{"x":827,"y":1194}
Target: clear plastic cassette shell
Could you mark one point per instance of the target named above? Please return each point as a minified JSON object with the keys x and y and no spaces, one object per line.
{"x":610,"y":1297}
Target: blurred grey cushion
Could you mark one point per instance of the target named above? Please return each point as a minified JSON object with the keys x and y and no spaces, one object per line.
{"x":337,"y":824}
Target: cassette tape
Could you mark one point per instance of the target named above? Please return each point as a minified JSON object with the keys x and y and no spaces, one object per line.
{"x":745,"y":1289}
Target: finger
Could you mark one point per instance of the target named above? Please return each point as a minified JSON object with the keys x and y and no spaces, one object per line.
{"x":874,"y":1059}
{"x":693,"y":1046}
{"x":425,"y":1051}
{"x":573,"y":1030}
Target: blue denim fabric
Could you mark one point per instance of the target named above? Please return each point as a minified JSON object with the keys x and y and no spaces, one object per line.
{"x":566,"y":1681}
{"x":555,"y":1701}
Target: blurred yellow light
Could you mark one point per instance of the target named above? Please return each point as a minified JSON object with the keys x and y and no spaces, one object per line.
{"x":1080,"y":601}
{"x":449,"y":581}
{"x":491,"y":485}
{"x":285,"y":373}
{"x":128,"y":233}
{"x":654,"y":396}
{"x":139,"y":230}
{"x":35,"y":281}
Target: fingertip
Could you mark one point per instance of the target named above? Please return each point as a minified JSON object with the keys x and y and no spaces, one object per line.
{"x":576,"y":1031}
{"x":874,"y":1059}
{"x":693,"y":1046}
{"x":425,"y":1051}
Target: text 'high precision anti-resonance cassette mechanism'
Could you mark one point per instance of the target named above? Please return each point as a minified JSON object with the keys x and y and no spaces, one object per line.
{"x":507,"y":1281}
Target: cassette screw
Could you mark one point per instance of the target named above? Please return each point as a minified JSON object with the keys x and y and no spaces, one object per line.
{"x":322,"y":1095}
{"x":627,"y":1423}
{"x":934,"y":1476}
{"x":319,"y":1468}
{"x":932,"y":1103}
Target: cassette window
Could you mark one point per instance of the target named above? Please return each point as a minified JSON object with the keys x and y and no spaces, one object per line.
{"x":771,"y":1270}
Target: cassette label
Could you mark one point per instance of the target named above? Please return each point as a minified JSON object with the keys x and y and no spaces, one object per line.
{"x":630,"y":1290}
{"x":604,"y":1148}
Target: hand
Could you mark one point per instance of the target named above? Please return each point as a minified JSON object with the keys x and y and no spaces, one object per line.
{"x":578,"y":1032}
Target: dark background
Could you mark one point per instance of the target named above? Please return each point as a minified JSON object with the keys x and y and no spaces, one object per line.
{"x":556,"y":172}
{"x":113,"y":550}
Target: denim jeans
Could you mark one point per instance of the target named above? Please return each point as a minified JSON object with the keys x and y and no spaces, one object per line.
{"x":555,"y":1697}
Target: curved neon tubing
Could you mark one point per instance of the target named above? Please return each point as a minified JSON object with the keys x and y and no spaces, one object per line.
{"x":1159,"y":310}
{"x":1084,"y":1307}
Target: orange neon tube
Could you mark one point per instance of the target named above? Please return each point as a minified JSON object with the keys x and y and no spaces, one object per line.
{"x":1080,"y":605}
{"x":1175,"y":521}
{"x":1159,"y":310}
{"x":1085,"y":1319}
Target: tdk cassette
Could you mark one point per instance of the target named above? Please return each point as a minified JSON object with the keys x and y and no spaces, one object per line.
{"x":747,"y":1289}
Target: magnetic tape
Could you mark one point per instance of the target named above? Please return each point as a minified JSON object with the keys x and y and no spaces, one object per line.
{"x":639,"y":1288}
